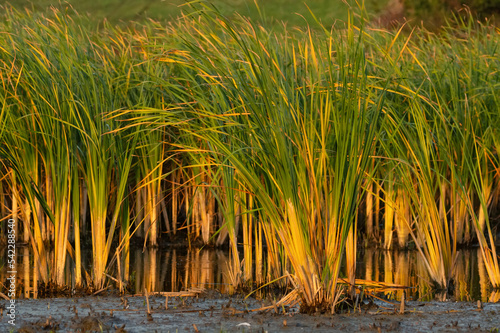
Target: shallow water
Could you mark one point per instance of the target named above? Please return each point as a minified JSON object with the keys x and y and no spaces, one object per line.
{"x":469,"y":283}
{"x":180,"y":269}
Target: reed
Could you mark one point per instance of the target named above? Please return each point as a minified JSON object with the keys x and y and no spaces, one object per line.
{"x":282,"y":136}
{"x":41,"y":118}
{"x":439,"y":98}
{"x":151,"y":155}
{"x":437,"y":248}
{"x":480,"y":177}
{"x":308,"y":190}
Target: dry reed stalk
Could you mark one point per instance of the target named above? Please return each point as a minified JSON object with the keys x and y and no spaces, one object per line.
{"x":147,"y":300}
{"x":154,"y":207}
{"x":378,"y":200}
{"x":402,"y":218}
{"x":494,"y":296}
{"x":247,"y":225}
{"x":3,"y":194}
{"x":27,"y":276}
{"x":370,"y":213}
{"x":211,"y":216}
{"x":402,"y":306}
{"x":389,"y":204}
{"x":139,"y":212}
{"x":187,"y":204}
{"x":26,"y":213}
{"x":461,"y":217}
{"x":176,"y":180}
{"x":259,"y":262}
{"x":204,"y":225}
{"x":164,"y":214}
{"x":234,"y":264}
{"x":483,"y":208}
{"x":274,"y":266}
{"x":83,"y":207}
{"x":14,"y":208}
{"x":351,"y":253}
{"x":77,"y":222}
{"x":120,"y":277}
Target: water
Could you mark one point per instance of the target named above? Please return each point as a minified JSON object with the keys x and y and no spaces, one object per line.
{"x":469,"y":283}
{"x":181,"y":269}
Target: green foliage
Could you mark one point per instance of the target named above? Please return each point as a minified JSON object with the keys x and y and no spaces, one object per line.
{"x":295,"y":13}
{"x":433,"y":13}
{"x":297,"y":120}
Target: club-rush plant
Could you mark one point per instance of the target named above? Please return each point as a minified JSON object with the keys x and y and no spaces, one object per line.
{"x":272,"y":140}
{"x":296,"y":121}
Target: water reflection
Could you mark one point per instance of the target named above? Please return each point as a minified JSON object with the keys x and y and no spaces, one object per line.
{"x":470,"y":281}
{"x":182,"y":269}
{"x":175,"y":270}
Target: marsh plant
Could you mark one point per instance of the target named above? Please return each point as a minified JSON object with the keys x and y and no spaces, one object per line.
{"x":294,"y":143}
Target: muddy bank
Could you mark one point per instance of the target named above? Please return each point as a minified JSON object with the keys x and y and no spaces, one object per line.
{"x":217,"y":313}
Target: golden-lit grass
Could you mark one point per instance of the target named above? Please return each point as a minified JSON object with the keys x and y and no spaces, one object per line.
{"x":282,"y":136}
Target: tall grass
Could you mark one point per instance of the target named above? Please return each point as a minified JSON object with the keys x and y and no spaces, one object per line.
{"x":435,"y":109}
{"x":286,"y":142}
{"x":292,"y":118}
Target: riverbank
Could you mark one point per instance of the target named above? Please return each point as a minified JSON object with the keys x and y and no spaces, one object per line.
{"x":213,"y":312}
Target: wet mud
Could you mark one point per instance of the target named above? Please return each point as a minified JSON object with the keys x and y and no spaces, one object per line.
{"x":213,"y":312}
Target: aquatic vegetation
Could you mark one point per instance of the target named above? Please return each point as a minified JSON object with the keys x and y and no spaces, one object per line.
{"x":293,"y":143}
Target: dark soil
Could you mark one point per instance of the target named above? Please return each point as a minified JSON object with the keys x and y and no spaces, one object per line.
{"x":212,"y":312}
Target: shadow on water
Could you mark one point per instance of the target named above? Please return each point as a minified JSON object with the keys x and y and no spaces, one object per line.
{"x":180,"y":269}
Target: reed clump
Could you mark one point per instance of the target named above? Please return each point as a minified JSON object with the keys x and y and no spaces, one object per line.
{"x":294,"y":143}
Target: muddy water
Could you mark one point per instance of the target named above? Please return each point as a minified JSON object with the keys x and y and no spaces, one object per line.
{"x":180,"y":269}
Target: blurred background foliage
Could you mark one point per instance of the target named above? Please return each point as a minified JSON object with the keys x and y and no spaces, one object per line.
{"x":290,"y":11}
{"x":429,"y":13}
{"x":432,"y":13}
